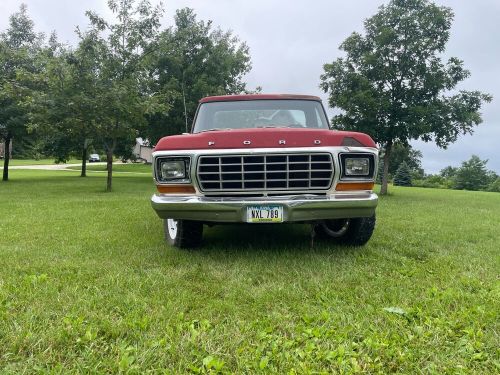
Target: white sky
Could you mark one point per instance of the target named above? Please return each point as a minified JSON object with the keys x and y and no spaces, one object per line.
{"x":291,"y":40}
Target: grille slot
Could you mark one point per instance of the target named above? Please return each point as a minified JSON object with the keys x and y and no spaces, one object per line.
{"x":283,"y":172}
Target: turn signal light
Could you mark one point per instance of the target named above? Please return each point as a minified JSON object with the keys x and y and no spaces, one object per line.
{"x":349,"y":186}
{"x":176,"y":189}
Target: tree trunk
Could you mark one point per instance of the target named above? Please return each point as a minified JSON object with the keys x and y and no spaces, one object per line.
{"x":385,"y":177}
{"x":84,"y":159}
{"x":6,"y":159}
{"x":109,"y":165}
{"x":184,"y":101}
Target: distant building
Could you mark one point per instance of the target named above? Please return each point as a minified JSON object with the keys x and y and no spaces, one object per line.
{"x":2,"y":149}
{"x":143,"y":150}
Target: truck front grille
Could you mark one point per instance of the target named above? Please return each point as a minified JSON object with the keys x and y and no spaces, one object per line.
{"x":270,"y":172}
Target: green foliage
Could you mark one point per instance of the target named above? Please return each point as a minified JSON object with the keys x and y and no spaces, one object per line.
{"x":29,"y":146}
{"x":443,"y":182}
{"x":100,"y":292}
{"x":193,"y":60}
{"x":448,"y":172}
{"x":433,"y":181}
{"x":63,"y":108}
{"x":405,"y":153}
{"x":19,"y":46}
{"x":401,"y":153}
{"x":495,"y":185}
{"x":392,"y":82}
{"x":417,"y":173}
{"x":124,"y":81}
{"x":472,"y":175}
{"x":403,"y":175}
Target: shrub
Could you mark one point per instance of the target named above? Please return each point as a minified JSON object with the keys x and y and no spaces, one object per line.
{"x":472,"y":175}
{"x":403,"y":175}
{"x":425,"y":183}
{"x":495,"y":185}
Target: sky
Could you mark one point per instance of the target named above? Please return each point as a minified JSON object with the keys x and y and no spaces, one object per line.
{"x":291,"y":40}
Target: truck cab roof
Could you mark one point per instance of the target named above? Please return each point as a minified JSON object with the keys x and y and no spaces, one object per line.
{"x":226,"y":98}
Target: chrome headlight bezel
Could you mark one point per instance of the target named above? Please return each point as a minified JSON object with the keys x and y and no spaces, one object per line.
{"x":347,"y":173}
{"x":183,"y":164}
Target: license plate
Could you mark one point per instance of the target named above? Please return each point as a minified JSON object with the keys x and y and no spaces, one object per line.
{"x":265,"y":214}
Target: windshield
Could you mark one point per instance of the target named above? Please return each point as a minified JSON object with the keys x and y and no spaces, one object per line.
{"x":260,"y":114}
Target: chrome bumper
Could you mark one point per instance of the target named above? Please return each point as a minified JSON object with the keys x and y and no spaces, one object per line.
{"x":296,"y":208}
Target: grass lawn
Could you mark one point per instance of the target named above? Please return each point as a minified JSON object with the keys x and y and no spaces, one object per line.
{"x":126,"y":167}
{"x":14,"y":162}
{"x":87,"y":284}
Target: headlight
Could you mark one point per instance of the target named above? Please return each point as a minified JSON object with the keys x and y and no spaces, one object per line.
{"x":357,"y":166}
{"x":173,"y":169}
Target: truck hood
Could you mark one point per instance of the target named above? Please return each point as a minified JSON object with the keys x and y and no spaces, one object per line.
{"x":263,"y":138}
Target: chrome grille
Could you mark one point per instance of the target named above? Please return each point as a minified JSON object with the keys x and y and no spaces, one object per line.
{"x":270,"y":172}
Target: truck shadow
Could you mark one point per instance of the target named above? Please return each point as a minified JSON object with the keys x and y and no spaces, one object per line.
{"x":282,"y":238}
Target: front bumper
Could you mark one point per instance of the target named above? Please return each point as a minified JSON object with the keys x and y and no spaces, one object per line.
{"x":296,"y":208}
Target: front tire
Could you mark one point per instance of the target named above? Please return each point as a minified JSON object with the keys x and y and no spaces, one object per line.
{"x":183,"y":233}
{"x":352,"y":232}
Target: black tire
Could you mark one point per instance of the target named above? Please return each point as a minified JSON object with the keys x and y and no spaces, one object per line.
{"x":187,"y":233}
{"x":352,"y":232}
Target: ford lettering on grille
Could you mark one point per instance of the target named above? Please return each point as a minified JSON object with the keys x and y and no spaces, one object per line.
{"x":269,"y":172}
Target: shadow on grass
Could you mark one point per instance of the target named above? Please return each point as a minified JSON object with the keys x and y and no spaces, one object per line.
{"x":270,"y":238}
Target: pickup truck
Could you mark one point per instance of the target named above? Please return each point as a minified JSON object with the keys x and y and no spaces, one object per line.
{"x":265,"y":159}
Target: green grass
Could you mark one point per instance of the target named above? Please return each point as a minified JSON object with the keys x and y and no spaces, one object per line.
{"x":87,"y":284}
{"x":14,"y":162}
{"x":129,"y":167}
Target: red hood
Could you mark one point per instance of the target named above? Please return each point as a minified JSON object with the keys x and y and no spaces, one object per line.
{"x":263,"y":138}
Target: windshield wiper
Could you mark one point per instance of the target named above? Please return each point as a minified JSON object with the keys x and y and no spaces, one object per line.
{"x":213,"y":130}
{"x":270,"y":126}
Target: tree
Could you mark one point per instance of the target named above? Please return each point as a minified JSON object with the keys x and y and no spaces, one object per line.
{"x":19,"y":45}
{"x":66,"y":109}
{"x":392,"y":82}
{"x":401,"y":153}
{"x":448,"y":172}
{"x":123,"y":77}
{"x":405,"y":153}
{"x":472,"y":175}
{"x":193,"y":60}
{"x":403,"y":175}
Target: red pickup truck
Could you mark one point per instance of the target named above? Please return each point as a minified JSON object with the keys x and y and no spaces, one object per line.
{"x":265,"y":159}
